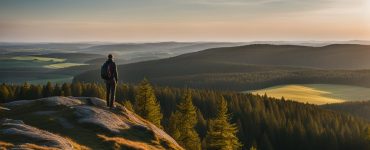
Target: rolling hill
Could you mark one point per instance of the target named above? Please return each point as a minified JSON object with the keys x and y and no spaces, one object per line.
{"x":252,"y":67}
{"x":137,"y":52}
{"x":338,"y":56}
{"x":80,"y":57}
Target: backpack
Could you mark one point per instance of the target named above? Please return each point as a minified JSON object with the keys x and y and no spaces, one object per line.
{"x":106,"y":71}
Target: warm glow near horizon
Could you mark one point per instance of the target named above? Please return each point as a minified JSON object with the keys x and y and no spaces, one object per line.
{"x":183,"y":20}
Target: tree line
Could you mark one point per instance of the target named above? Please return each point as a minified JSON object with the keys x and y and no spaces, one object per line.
{"x":242,"y":78}
{"x":207,"y":119}
{"x":257,"y":80}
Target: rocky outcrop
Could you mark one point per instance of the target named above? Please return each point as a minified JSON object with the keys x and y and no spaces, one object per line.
{"x":77,"y":123}
{"x":17,"y":129}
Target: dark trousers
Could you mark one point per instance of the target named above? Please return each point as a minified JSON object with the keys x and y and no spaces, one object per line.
{"x":111,"y":92}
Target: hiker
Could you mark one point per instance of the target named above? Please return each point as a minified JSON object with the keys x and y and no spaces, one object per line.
{"x":109,"y":74}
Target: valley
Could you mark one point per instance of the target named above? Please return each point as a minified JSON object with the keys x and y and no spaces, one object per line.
{"x":185,"y":75}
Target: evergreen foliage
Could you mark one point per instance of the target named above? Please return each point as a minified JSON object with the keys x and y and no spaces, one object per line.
{"x":262,"y":122}
{"x":183,"y":123}
{"x":48,"y":90}
{"x":66,"y":88}
{"x":4,"y":93}
{"x":221,"y":134}
{"x":146,"y":104}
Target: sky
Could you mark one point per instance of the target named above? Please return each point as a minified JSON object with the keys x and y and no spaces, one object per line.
{"x":183,"y":20}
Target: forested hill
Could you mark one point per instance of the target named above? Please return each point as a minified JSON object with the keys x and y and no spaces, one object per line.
{"x":251,"y":67}
{"x":337,"y":56}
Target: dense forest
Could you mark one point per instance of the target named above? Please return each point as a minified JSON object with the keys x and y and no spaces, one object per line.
{"x":252,"y":120}
{"x":358,"y":108}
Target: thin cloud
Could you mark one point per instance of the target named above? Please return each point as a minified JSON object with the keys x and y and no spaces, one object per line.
{"x":298,"y":4}
{"x":234,"y":2}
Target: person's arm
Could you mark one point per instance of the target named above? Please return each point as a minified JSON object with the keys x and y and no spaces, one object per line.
{"x":115,"y":72}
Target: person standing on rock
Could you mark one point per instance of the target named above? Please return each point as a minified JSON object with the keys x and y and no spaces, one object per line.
{"x":109,"y":74}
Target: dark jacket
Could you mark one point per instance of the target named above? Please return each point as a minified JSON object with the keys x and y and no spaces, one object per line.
{"x":114,"y":69}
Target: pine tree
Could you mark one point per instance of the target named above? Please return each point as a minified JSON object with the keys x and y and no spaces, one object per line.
{"x":221,"y":134}
{"x":146,"y":104}
{"x":76,"y":89}
{"x":4,"y":93}
{"x":97,"y":91}
{"x":253,"y":148}
{"x":35,"y":92}
{"x":173,"y":130}
{"x":48,"y":90}
{"x":66,"y":89}
{"x":25,"y":91}
{"x":367,"y":134}
{"x":185,"y":120}
{"x":57,"y":90}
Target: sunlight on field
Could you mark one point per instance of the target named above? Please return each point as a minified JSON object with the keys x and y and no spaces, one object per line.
{"x":34,"y":58}
{"x":63,"y":65}
{"x":317,"y":93}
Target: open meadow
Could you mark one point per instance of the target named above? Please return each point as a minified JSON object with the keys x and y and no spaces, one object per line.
{"x":317,"y":93}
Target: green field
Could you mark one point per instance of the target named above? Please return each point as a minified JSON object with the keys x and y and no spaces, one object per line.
{"x":63,"y":65}
{"x":317,"y":93}
{"x":35,"y":58}
{"x":34,"y":69}
{"x":37,"y":62}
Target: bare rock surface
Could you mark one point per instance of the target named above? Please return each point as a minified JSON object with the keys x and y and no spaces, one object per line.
{"x":17,"y":129}
{"x":103,"y":118}
{"x":84,"y":120}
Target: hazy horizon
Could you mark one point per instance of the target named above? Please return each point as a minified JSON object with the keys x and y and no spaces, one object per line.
{"x":184,"y":20}
{"x":204,"y":41}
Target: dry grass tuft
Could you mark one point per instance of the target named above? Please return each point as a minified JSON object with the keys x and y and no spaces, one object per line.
{"x":5,"y":145}
{"x":121,"y":142}
{"x":36,"y":147}
{"x":77,"y":146}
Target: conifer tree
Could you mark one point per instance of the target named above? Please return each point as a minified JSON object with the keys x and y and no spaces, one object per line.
{"x":25,"y":91}
{"x":57,"y":90}
{"x":97,"y":91}
{"x":66,"y":89}
{"x":35,"y":92}
{"x":253,"y":148}
{"x":146,"y":104}
{"x":183,"y":124}
{"x":173,"y":130}
{"x":47,"y":90}
{"x":4,"y":93}
{"x":76,"y":89}
{"x":221,"y":134}
{"x":367,"y":134}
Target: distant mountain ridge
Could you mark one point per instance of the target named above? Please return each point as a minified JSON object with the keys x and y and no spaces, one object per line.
{"x":337,"y":56}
